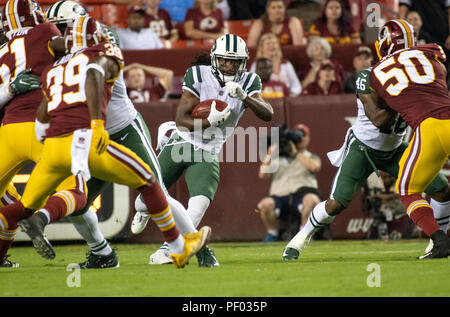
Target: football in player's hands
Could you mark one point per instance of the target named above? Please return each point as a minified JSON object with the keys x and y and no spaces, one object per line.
{"x":202,"y":110}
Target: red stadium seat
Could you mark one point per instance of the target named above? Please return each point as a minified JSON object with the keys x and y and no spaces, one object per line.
{"x":238,"y":27}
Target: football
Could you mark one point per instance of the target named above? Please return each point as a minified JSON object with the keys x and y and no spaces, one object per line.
{"x":201,"y":110}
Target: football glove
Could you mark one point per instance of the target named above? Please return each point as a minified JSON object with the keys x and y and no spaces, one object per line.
{"x":100,"y":137}
{"x":235,"y":90}
{"x":216,"y":117}
{"x":24,"y":82}
{"x":40,"y":129}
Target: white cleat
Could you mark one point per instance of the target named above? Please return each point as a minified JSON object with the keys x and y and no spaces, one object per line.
{"x":295,"y":246}
{"x":161,"y":256}
{"x":139,"y":222}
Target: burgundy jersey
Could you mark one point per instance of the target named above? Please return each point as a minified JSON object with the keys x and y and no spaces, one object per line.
{"x":274,"y":89}
{"x":413,"y":83}
{"x":212,"y":23}
{"x":63,"y":84}
{"x":28,"y":48}
{"x":161,"y":23}
{"x":347,"y":33}
{"x":315,"y":89}
{"x":284,"y":36}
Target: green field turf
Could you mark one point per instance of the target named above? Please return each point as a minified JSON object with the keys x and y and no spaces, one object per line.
{"x":326,"y":268}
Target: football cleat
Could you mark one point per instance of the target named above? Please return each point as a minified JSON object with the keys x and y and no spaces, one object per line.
{"x":139,"y":222}
{"x":161,"y":256}
{"x":8,"y":263}
{"x":441,"y":249}
{"x":96,"y":261}
{"x":290,"y":254}
{"x":34,"y":228}
{"x":193,"y":242}
{"x":206,"y":257}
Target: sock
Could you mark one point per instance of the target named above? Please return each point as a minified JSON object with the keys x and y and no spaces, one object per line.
{"x":89,"y":229}
{"x":159,"y":209}
{"x":273,"y":232}
{"x":6,"y":240}
{"x":441,"y":212}
{"x":180,"y":214}
{"x":10,"y":215}
{"x":316,"y":220}
{"x":420,"y":213}
{"x":65,"y":202}
{"x":197,"y":207}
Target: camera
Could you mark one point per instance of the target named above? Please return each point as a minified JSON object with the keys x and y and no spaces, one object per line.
{"x":286,"y":137}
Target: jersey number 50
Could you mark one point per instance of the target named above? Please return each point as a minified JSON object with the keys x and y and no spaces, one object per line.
{"x":409,"y":73}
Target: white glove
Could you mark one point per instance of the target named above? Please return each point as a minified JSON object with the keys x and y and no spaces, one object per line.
{"x":40,"y":129}
{"x":216,"y":117}
{"x":235,"y":90}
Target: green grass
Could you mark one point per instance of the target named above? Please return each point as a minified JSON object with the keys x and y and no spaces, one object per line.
{"x":326,"y":268}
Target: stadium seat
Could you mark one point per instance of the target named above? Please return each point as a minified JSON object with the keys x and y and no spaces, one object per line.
{"x":238,"y":27}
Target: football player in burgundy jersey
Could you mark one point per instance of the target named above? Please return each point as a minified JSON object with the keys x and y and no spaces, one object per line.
{"x":411,"y":80}
{"x":77,"y":88}
{"x":32,"y":45}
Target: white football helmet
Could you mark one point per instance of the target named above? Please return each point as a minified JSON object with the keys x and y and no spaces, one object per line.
{"x":229,"y":46}
{"x":63,"y":12}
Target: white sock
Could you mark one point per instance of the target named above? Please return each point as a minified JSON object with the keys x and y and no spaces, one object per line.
{"x":316,"y":220}
{"x":197,"y":207}
{"x":87,"y":226}
{"x":441,"y":212}
{"x":177,"y":246}
{"x":180,"y":214}
{"x":46,"y":213}
{"x":273,"y":232}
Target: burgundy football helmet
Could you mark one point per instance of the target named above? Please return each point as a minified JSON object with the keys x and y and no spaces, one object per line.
{"x":84,"y":32}
{"x":17,"y":14}
{"x":395,"y":35}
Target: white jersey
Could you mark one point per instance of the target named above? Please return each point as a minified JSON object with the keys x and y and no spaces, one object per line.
{"x":370,"y":135}
{"x":200,"y":81}
{"x":120,"y":112}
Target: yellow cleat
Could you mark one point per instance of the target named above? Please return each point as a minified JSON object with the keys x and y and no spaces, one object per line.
{"x":193,"y":242}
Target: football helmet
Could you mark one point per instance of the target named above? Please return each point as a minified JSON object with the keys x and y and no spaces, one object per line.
{"x":84,"y":32}
{"x":229,"y":46}
{"x":63,"y":13}
{"x":395,"y":35}
{"x":17,"y":14}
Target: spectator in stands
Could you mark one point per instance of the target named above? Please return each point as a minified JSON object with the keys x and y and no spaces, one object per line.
{"x":246,"y":10}
{"x":138,"y":88}
{"x":204,"y":21}
{"x":136,"y":36}
{"x":283,"y":70}
{"x":325,"y":83}
{"x":270,"y":88}
{"x":362,"y":60}
{"x":334,"y":24}
{"x":414,"y":18}
{"x":224,"y":6}
{"x":288,"y":30}
{"x":159,"y":21}
{"x":294,"y":188}
{"x":319,"y":51}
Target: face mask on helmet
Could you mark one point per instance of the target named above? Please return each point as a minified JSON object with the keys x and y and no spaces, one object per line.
{"x":82,"y":33}
{"x":395,"y":35}
{"x":64,"y":12}
{"x":18,"y":14}
{"x":229,"y":56}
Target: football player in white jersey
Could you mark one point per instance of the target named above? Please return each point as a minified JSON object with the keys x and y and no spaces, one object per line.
{"x":225,"y":79}
{"x":126,"y":126}
{"x":366,"y":149}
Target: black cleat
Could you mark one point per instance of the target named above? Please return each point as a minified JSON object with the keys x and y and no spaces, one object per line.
{"x":441,"y":247}
{"x":206,"y":257}
{"x":34,"y":228}
{"x":96,"y":261}
{"x":7,"y":263}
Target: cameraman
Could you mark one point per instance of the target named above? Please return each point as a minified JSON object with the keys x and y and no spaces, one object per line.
{"x":294,"y":188}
